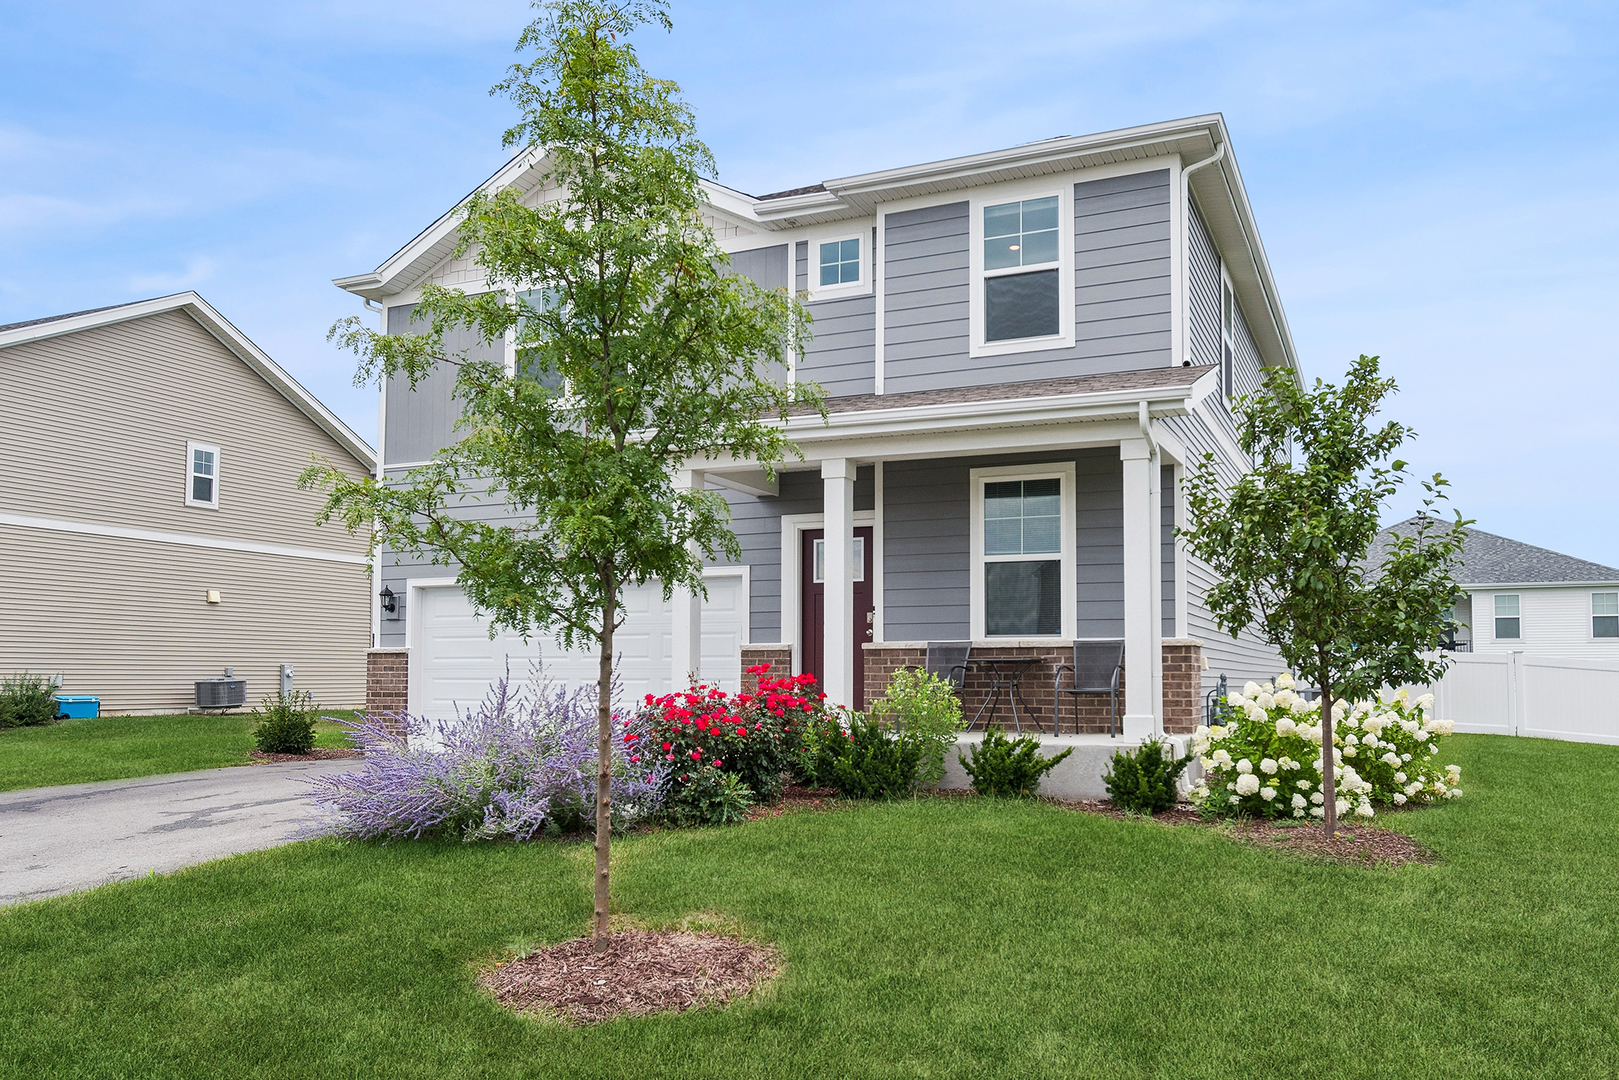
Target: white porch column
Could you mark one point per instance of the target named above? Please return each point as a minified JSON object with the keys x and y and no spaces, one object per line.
{"x":1143,"y":591}
{"x":838,"y":653}
{"x":686,"y":630}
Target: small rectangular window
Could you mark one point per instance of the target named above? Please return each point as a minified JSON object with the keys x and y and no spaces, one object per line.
{"x":1605,"y":614}
{"x":1506,"y":616}
{"x":202,"y":475}
{"x":818,"y":573}
{"x":840,"y":262}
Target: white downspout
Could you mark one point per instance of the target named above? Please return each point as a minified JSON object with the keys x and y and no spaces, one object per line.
{"x":1183,"y":332}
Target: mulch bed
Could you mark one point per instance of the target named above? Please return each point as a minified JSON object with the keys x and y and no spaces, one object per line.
{"x":1360,"y":845}
{"x":319,"y":753}
{"x":642,"y":972}
{"x":794,"y":800}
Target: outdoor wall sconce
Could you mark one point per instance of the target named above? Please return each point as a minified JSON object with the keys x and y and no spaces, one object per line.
{"x":390,"y":603}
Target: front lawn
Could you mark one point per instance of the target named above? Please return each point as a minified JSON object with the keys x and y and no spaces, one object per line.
{"x":123,"y":747}
{"x":925,"y":938}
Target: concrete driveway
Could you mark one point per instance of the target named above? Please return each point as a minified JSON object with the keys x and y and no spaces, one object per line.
{"x":57,"y":840}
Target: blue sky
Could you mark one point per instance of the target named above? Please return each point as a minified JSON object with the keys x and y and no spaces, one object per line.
{"x":1434,"y":183}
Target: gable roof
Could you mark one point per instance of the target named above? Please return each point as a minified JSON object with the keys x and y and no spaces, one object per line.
{"x":1488,"y":559}
{"x":217,"y":325}
{"x":1219,"y":190}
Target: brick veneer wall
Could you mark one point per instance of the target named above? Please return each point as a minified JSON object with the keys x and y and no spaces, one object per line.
{"x":779,"y":657}
{"x":1183,"y":685}
{"x":1082,"y":713}
{"x":387,"y":682}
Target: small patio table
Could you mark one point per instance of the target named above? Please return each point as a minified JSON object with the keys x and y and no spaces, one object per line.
{"x":1005,"y":673}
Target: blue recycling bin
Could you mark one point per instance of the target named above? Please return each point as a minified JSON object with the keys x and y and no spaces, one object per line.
{"x":78,"y":705}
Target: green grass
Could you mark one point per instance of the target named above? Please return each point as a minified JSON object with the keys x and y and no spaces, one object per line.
{"x":923,"y":939}
{"x":123,"y":747}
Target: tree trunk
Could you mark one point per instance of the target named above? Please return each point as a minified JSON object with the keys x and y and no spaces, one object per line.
{"x":1329,"y":781}
{"x":604,"y":764}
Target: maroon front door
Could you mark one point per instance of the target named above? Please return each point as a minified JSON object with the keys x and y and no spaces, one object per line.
{"x":812,"y":608}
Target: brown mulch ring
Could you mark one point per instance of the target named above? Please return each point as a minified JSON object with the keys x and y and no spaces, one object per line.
{"x":642,"y":972}
{"x":795,"y":800}
{"x":319,"y":753}
{"x":1359,"y":845}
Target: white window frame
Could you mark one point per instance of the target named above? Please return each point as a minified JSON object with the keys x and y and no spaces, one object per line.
{"x":997,"y":196}
{"x":191,"y":447}
{"x":1496,"y":616}
{"x":812,"y":277}
{"x":1063,"y":471}
{"x":1590,"y":624}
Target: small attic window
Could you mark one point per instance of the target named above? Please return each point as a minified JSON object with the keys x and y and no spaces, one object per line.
{"x":202,"y":475}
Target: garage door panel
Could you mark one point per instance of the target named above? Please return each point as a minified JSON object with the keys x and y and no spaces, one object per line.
{"x":454,"y":661}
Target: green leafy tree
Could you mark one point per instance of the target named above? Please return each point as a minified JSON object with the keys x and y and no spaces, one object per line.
{"x":1292,"y":541}
{"x":637,"y":352}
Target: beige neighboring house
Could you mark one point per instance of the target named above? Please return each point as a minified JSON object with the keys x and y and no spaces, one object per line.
{"x":152,"y":532}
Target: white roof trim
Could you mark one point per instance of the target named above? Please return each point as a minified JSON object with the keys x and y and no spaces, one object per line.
{"x":233,"y":339}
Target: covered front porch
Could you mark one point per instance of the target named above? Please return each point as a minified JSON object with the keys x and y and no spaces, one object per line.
{"x":1019,"y":526}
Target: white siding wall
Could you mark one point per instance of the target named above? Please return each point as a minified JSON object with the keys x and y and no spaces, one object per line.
{"x":1552,"y":621}
{"x":93,"y":431}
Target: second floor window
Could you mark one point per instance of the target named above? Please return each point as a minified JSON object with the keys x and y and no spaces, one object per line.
{"x":1022,"y":294}
{"x":1605,"y":614}
{"x":1506,"y":616}
{"x":840,"y":262}
{"x":202,"y":475}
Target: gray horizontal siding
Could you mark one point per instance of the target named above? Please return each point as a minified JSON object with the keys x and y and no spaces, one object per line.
{"x":1247,"y":374}
{"x":421,"y":421}
{"x":1245,"y":656}
{"x":841,"y":353}
{"x":1203,"y":291}
{"x":927,"y":567}
{"x":1121,"y":291}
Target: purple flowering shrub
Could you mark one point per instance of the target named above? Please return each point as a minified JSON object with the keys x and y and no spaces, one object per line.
{"x":522,"y":764}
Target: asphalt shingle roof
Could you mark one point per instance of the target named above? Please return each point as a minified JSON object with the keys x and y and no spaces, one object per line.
{"x":1488,"y":559}
{"x":69,"y":315}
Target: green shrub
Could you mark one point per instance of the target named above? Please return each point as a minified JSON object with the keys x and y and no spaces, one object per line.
{"x":927,"y":712}
{"x":26,"y":699}
{"x":877,"y":761}
{"x":822,"y":740}
{"x":1143,"y":780}
{"x":711,"y":797}
{"x":286,"y":723}
{"x":1008,"y":768}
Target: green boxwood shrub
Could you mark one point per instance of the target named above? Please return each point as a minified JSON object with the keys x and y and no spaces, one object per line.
{"x":1144,"y":779}
{"x":286,"y":723}
{"x":877,"y":760}
{"x":26,"y":699}
{"x":1008,"y":768}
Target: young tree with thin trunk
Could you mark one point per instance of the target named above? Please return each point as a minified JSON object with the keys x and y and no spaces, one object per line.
{"x":1292,"y":542}
{"x":637,"y":352}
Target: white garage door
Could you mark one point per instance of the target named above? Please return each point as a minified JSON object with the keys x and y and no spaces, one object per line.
{"x":453,"y":661}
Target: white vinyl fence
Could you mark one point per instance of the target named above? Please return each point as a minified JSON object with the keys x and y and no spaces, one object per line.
{"x":1542,"y":696}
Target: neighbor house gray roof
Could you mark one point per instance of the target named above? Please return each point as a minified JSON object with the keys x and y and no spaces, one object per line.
{"x":1488,"y":559}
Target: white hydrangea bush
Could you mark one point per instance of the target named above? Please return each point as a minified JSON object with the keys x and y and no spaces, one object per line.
{"x":1266,"y":759}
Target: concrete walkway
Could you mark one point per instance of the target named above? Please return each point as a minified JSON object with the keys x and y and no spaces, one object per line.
{"x":56,"y":840}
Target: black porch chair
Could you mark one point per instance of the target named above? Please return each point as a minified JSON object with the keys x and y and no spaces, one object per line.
{"x":1097,"y":668}
{"x":949,"y":660}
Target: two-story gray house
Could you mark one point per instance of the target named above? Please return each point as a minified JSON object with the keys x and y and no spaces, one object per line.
{"x":1023,"y":349}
